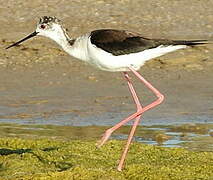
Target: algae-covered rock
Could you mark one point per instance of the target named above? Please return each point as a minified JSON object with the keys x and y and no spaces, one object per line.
{"x":58,"y":159}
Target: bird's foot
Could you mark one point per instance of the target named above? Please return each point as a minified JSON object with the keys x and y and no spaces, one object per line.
{"x":104,"y":139}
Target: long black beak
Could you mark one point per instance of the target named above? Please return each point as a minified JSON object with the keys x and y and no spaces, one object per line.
{"x":28,"y":37}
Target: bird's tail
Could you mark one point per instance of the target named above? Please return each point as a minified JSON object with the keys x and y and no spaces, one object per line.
{"x":191,"y":43}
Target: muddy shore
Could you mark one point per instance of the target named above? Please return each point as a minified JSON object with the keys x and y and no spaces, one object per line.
{"x":42,"y":84}
{"x":42,"y":87}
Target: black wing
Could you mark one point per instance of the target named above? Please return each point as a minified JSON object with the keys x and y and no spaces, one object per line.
{"x":120,"y":42}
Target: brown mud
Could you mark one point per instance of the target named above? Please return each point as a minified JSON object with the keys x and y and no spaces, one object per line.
{"x":41,"y":84}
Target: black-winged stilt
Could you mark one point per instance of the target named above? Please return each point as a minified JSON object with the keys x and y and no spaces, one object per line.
{"x":113,"y":50}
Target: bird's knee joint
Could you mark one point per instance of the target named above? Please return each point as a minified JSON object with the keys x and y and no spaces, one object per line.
{"x":160,"y":98}
{"x":139,"y":109}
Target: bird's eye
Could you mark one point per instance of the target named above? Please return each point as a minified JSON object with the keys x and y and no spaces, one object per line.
{"x":42,"y":26}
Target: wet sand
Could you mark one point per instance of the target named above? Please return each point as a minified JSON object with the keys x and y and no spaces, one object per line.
{"x":40,"y":84}
{"x":64,"y":96}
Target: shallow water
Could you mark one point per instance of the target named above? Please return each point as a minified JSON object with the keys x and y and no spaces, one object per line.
{"x":196,"y":137}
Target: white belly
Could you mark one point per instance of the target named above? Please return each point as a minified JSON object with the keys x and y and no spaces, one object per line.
{"x":108,"y":62}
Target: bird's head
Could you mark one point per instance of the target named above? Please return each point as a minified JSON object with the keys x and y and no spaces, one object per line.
{"x":47,"y":26}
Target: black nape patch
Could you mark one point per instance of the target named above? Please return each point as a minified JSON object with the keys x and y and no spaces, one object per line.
{"x":72,"y":41}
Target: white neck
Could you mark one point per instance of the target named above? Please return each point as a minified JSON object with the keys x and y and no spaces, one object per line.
{"x":74,"y":47}
{"x":62,"y":38}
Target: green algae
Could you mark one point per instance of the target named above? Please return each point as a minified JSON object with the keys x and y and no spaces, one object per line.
{"x":51,"y":158}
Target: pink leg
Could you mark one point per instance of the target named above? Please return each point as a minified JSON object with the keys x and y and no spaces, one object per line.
{"x":126,"y":148}
{"x":136,"y":115}
{"x":136,"y":122}
{"x":108,"y":132}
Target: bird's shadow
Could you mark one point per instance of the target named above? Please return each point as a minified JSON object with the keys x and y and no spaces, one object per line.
{"x":62,"y":166}
{"x":6,"y":151}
